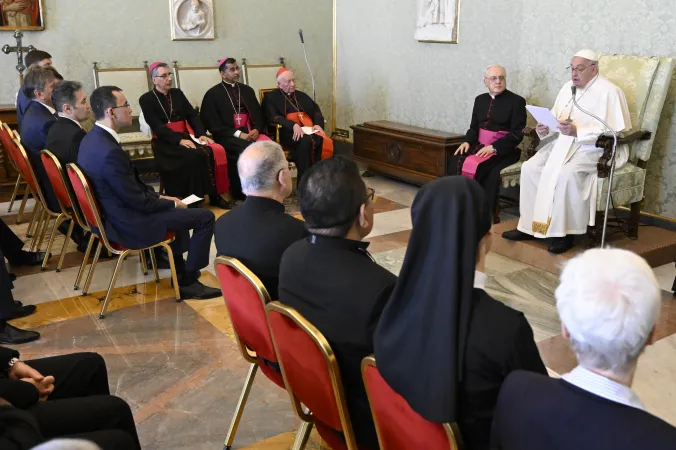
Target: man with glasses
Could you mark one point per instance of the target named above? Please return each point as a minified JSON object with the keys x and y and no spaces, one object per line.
{"x":558,"y":184}
{"x":135,"y":215}
{"x":189,"y":162}
{"x":332,"y":280}
{"x":496,"y":128}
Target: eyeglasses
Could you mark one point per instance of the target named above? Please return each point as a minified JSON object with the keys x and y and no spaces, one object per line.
{"x":579,"y":70}
{"x":126,"y":105}
{"x":494,"y":79}
{"x":370,"y":194}
{"x":166,"y":75}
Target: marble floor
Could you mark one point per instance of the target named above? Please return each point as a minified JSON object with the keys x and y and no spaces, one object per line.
{"x":178,"y":365}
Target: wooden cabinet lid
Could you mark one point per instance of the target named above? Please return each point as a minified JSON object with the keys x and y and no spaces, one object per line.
{"x":409,"y":130}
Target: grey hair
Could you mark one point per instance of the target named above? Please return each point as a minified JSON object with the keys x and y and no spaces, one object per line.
{"x":260,"y":174}
{"x":153,"y":74}
{"x":492,"y":66}
{"x":68,"y":444}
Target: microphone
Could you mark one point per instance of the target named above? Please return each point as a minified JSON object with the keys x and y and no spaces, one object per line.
{"x":573,"y":89}
{"x":302,"y":41}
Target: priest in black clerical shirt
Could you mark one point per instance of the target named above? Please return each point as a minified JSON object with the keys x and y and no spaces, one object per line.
{"x":232,"y":114}
{"x":496,"y":128}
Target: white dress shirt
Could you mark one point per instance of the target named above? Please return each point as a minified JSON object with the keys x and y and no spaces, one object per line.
{"x":70,"y":118}
{"x":49,"y":108}
{"x":603,"y":387}
{"x":112,"y":132}
{"x":480,"y":280}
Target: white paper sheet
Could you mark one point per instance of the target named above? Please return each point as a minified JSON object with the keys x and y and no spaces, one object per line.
{"x":544,"y":116}
{"x":191,"y":199}
{"x":309,"y":130}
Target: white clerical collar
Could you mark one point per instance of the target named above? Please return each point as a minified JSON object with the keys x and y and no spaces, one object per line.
{"x":49,"y":108}
{"x":603,"y":387}
{"x":70,"y":118}
{"x":480,"y":280}
{"x":112,"y":132}
{"x":229,"y":84}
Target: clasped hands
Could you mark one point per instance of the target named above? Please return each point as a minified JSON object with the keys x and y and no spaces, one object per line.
{"x":566,"y":128}
{"x":251,"y":136}
{"x":485,"y":152}
{"x":24,"y":372}
{"x":298,"y":131}
{"x":204,"y":140}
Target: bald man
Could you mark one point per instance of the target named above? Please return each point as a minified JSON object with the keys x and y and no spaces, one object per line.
{"x":301,"y":120}
{"x":258,"y":231}
{"x":495,"y":131}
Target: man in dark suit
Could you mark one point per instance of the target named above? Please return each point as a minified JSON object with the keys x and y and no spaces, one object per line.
{"x":258,"y":231}
{"x":134,"y":214}
{"x":609,"y":302}
{"x":12,"y":309}
{"x":65,"y":135}
{"x":35,"y":58}
{"x":331,"y":279}
{"x":38,"y":85}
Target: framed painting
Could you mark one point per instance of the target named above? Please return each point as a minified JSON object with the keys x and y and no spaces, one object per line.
{"x":25,"y":15}
{"x":438,"y":21}
{"x":192,"y":20}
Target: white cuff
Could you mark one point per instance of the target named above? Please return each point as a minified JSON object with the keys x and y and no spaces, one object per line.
{"x":237,"y":133}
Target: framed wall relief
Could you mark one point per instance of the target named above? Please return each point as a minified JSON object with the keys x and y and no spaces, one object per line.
{"x":191,"y":20}
{"x":23,"y":15}
{"x":438,"y":21}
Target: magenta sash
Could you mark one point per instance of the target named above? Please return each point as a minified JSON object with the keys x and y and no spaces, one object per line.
{"x":242,"y":120}
{"x":472,"y":162}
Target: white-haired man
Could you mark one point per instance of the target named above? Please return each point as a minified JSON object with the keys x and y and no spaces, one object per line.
{"x":558,"y":184}
{"x":609,"y":302}
{"x":259,"y":231}
{"x":301,"y":120}
{"x":496,"y":128}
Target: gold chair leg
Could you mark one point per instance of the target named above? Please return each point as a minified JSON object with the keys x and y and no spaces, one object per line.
{"x":243,"y":396}
{"x":26,"y":193}
{"x":90,"y":275}
{"x":302,"y":435}
{"x":153,"y":261}
{"x":34,"y":216}
{"x":16,"y":191}
{"x":64,"y":247}
{"x":36,"y":231}
{"x":43,"y":230}
{"x":144,"y":266}
{"x":52,"y":236}
{"x":84,"y":262}
{"x":118,"y":266}
{"x":174,"y":278}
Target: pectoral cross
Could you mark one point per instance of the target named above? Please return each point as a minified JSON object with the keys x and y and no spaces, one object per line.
{"x":19,"y":49}
{"x":239,"y":119}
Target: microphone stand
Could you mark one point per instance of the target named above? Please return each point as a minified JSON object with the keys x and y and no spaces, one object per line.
{"x":612,"y":163}
{"x":302,"y":41}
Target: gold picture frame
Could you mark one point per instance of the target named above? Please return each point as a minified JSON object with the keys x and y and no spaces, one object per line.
{"x":14,"y":16}
{"x":192,"y":20}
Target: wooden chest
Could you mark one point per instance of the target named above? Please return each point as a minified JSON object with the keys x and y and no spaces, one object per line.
{"x":412,"y":154}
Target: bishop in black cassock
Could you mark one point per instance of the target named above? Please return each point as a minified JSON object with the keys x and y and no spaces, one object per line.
{"x":498,"y":110}
{"x":232,"y":114}
{"x":184,"y":170}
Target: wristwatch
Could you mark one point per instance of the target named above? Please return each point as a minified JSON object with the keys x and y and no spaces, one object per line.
{"x":12,"y":362}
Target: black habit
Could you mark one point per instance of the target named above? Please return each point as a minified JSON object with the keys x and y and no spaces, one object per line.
{"x":335,"y":284}
{"x":257,"y":233}
{"x":63,"y":139}
{"x":536,"y":412}
{"x":219,"y":105}
{"x":183,"y":170}
{"x":308,"y":150}
{"x":505,"y":112}
{"x":443,"y":344}
{"x":79,"y":407}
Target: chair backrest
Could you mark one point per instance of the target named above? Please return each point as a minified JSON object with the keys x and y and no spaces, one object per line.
{"x":398,"y":426}
{"x":195,"y":81}
{"x":261,"y":76}
{"x":25,"y":168}
{"x":644,"y":81}
{"x":7,"y":141}
{"x":245,"y":298}
{"x":310,"y":370}
{"x":62,"y":188}
{"x":86,"y":200}
{"x":135,"y":81}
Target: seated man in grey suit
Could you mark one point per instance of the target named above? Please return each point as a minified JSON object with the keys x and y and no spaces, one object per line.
{"x":609,"y":302}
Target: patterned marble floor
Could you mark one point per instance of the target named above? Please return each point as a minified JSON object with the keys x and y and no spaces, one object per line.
{"x":178,"y":365}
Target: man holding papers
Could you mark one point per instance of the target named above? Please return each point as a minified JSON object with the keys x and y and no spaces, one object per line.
{"x":496,"y":128}
{"x":134,"y":215}
{"x":558,"y":185}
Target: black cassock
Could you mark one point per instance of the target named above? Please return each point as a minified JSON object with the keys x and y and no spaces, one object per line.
{"x":505,"y":112}
{"x":184,"y":171}
{"x":219,"y":106}
{"x":308,"y":149}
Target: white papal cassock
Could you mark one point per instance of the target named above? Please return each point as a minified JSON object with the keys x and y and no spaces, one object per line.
{"x":559,"y":183}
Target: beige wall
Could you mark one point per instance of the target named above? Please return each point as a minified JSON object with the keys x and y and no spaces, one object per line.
{"x":127,"y":32}
{"x":383,"y":73}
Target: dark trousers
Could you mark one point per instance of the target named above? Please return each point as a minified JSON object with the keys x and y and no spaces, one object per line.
{"x":10,"y":244}
{"x":234,"y":147}
{"x":181,"y":221}
{"x":6,"y":298}
{"x":304,"y":152}
{"x":81,"y":405}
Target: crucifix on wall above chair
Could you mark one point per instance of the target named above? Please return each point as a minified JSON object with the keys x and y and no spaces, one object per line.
{"x":19,"y":50}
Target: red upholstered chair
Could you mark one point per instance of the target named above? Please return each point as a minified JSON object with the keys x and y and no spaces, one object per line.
{"x":311,"y":376}
{"x":398,"y":426}
{"x":7,"y":137}
{"x":90,"y":213}
{"x":245,"y":298}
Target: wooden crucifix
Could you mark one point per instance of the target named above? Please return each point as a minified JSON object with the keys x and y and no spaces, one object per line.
{"x":19,"y":49}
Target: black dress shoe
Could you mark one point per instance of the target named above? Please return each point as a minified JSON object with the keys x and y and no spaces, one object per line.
{"x":561,"y":244}
{"x":20,"y":310}
{"x":198,"y":291}
{"x":12,"y":277}
{"x":516,"y":235}
{"x":24,"y":258}
{"x":220,"y":202}
{"x":13,"y":335}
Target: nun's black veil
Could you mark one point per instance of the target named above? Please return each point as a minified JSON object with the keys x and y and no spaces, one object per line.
{"x":421,"y":337}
